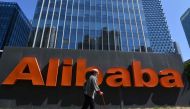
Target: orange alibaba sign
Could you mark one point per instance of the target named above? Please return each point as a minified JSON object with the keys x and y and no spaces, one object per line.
{"x":167,"y":78}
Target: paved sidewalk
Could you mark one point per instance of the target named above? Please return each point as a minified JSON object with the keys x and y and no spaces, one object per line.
{"x":163,"y":108}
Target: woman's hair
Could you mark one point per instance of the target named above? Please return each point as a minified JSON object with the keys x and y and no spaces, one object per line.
{"x":88,"y":74}
{"x":93,"y":72}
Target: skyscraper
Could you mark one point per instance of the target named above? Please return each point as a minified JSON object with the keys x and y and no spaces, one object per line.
{"x":185,"y":20}
{"x":119,"y":25}
{"x":177,"y":48}
{"x":14,"y":26}
{"x":159,"y":35}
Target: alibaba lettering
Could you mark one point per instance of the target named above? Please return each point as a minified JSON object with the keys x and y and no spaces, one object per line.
{"x":116,"y":76}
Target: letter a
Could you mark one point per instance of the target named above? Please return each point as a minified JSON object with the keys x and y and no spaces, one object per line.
{"x":171,"y":78}
{"x":123,"y":75}
{"x":18,"y":73}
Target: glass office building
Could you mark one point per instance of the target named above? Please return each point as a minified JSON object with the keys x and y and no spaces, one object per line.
{"x":14,"y":26}
{"x":118,"y":25}
{"x":160,"y":37}
{"x":185,"y":20}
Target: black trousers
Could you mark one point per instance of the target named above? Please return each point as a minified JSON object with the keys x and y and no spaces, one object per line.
{"x":88,"y":101}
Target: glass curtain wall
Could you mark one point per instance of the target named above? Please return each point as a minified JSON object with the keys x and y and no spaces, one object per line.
{"x":114,"y":25}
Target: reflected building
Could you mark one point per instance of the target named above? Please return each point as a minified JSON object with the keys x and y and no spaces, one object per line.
{"x":102,"y":42}
{"x":109,"y":40}
{"x":119,"y":25}
{"x":48,"y":39}
{"x":88,"y":43}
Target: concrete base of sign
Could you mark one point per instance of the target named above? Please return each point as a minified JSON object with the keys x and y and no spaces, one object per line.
{"x":24,"y":95}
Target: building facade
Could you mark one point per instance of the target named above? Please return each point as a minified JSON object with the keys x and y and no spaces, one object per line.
{"x":119,"y":25}
{"x":177,"y":48}
{"x":14,"y":26}
{"x":185,"y":20}
{"x":160,"y":37}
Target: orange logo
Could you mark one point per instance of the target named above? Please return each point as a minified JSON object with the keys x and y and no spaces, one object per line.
{"x":116,"y":76}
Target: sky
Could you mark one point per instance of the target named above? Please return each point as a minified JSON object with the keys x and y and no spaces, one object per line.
{"x":173,"y":10}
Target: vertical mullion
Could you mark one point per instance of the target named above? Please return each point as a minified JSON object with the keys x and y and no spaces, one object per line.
{"x":107,"y":25}
{"x":142,"y":27}
{"x":52,"y":22}
{"x":39,"y":19}
{"x":115,"y":46}
{"x":89,"y":27}
{"x":125,"y":27}
{"x":95,"y":38}
{"x":57,"y":28}
{"x":76,"y":39}
{"x":43,"y":31}
{"x":83,"y":25}
{"x":102,"y":28}
{"x":71,"y":24}
{"x":119,"y":26}
{"x":136,"y":25}
{"x":131,"y":26}
{"x":64,"y":24}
